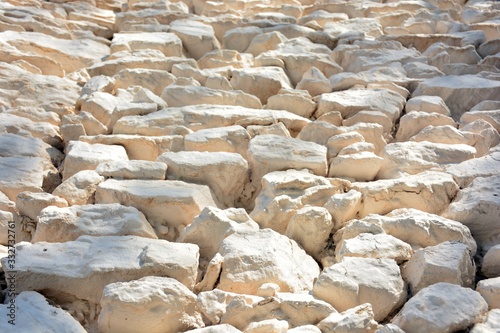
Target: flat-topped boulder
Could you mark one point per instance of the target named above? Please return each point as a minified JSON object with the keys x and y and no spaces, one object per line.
{"x":169,"y":205}
{"x":133,"y":169}
{"x":167,"y":43}
{"x":82,"y":268}
{"x":231,"y":139}
{"x":64,"y":224}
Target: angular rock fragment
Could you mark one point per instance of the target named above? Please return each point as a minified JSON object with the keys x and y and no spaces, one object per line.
{"x":80,"y":188}
{"x":231,"y":139}
{"x":358,"y":319}
{"x":491,"y":266}
{"x":490,"y":290}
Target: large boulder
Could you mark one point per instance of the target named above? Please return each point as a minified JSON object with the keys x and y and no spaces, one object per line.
{"x":197,"y":38}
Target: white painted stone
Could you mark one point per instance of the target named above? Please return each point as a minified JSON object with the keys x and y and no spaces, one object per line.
{"x":83,"y":156}
{"x":225,"y":173}
{"x":132,"y":170}
{"x":367,"y":245}
{"x":449,"y":262}
{"x":257,"y":257}
{"x":355,"y":281}
{"x":490,"y":290}
{"x":491,"y":266}
{"x":441,"y":307}
{"x":83,"y":267}
{"x":168,"y":205}
{"x":156,"y":304}
{"x":66,"y":224}
{"x":38,"y":315}
{"x":478,"y":207}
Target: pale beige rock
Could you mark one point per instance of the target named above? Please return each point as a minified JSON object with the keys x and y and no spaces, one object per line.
{"x":449,"y":262}
{"x":297,"y":309}
{"x":491,"y":116}
{"x":265,"y":42}
{"x":445,"y":134}
{"x":5,"y":219}
{"x":284,"y":192}
{"x":310,"y":227}
{"x":142,"y":299}
{"x":490,"y":325}
{"x":142,"y":147}
{"x":48,"y":133}
{"x":231,"y":139}
{"x":491,"y":266}
{"x":414,"y":122}
{"x":225,"y":173}
{"x":367,"y":245}
{"x":168,"y":205}
{"x":83,"y":156}
{"x":66,"y":224}
{"x":264,"y":256}
{"x":441,"y":307}
{"x":358,"y":147}
{"x":430,"y":104}
{"x":99,"y":83}
{"x":332,"y":117}
{"x":389,"y":328}
{"x":415,"y":191}
{"x":358,"y":319}
{"x":315,"y":82}
{"x":224,"y":58}
{"x":344,"y":207}
{"x":485,"y":134}
{"x":490,"y":290}
{"x":261,"y":82}
{"x":39,"y":315}
{"x":362,"y":166}
{"x":355,"y":281}
{"x":305,"y":329}
{"x":411,"y":157}
{"x":268,"y":325}
{"x":477,"y":206}
{"x":223,"y":328}
{"x":267,"y":153}
{"x":167,"y":43}
{"x":21,"y":173}
{"x":375,"y":117}
{"x":82,"y":268}
{"x":239,"y":38}
{"x":80,"y":188}
{"x":30,"y":204}
{"x":349,"y":102}
{"x":339,"y":141}
{"x":392,"y":74}
{"x":153,"y":79}
{"x":209,"y":229}
{"x":276,"y":129}
{"x":197,"y":38}
{"x":6,"y":204}
{"x":177,"y":96}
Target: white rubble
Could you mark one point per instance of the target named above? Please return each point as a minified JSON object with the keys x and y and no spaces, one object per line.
{"x":68,"y":223}
{"x":37,"y":315}
{"x":449,"y":262}
{"x":157,"y":304}
{"x":441,"y":307}
{"x":490,"y":290}
{"x":355,"y":281}
{"x":169,"y":205}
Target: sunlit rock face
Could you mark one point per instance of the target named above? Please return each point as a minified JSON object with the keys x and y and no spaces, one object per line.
{"x":250,"y":166}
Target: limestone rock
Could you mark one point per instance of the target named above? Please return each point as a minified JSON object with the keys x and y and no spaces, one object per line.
{"x":269,"y":325}
{"x":310,"y":227}
{"x":297,"y":309}
{"x":490,"y":325}
{"x":477,"y":206}
{"x":66,"y":224}
{"x":132,"y":170}
{"x":225,"y":173}
{"x":490,"y":290}
{"x":254,"y":258}
{"x":491,"y":116}
{"x":430,"y":104}
{"x":260,"y":82}
{"x":284,"y":192}
{"x":367,"y":245}
{"x":464,"y":173}
{"x":344,"y":207}
{"x":315,"y":82}
{"x":459,"y":92}
{"x":153,"y":79}
{"x":414,"y":122}
{"x":167,"y":43}
{"x":158,"y":304}
{"x":299,"y":104}
{"x":83,"y":267}
{"x":383,"y":196}
{"x":223,"y":328}
{"x":231,"y":139}
{"x":449,"y":262}
{"x":403,"y":158}
{"x":491,"y":268}
{"x":441,"y":307}
{"x":168,"y":205}
{"x":355,"y":281}
{"x":362,"y":166}
{"x":84,"y":156}
{"x":268,"y":153}
{"x":38,"y":315}
{"x":212,"y":226}
{"x":30,"y":204}
{"x":358,"y":319}
{"x":80,"y":188}
{"x":197,"y":38}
